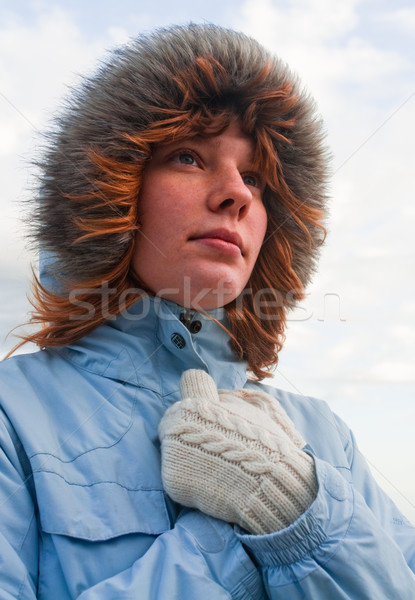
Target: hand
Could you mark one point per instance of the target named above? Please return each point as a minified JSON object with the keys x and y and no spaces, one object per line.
{"x":235,"y":455}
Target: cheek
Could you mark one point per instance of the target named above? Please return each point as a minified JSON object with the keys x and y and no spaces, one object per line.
{"x":153,"y":215}
{"x":164,"y":206}
{"x":264,"y":222}
{"x":260,"y":228}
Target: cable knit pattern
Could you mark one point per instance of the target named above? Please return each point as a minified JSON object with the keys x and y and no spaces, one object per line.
{"x":236,"y":456}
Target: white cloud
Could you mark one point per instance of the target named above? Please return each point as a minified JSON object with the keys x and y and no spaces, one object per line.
{"x":279,"y":24}
{"x":319,"y":41}
{"x":404,"y":19}
{"x":37,"y":62}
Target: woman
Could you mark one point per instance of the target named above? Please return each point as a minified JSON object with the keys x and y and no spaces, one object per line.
{"x":179,"y":218}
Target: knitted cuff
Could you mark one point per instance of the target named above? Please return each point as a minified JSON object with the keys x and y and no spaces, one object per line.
{"x":283,"y":495}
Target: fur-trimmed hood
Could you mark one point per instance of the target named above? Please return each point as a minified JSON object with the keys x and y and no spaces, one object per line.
{"x":139,"y":84}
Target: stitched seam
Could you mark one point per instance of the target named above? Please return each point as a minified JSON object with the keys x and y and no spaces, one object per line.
{"x":250,"y":573}
{"x":109,"y":482}
{"x":244,"y":590}
{"x":27,"y":531}
{"x":61,"y":460}
{"x":22,"y":585}
{"x":101,"y":374}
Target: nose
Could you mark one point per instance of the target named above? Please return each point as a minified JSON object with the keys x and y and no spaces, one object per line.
{"x":230,"y":194}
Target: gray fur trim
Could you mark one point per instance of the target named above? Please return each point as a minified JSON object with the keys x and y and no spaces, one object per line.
{"x":116,"y":101}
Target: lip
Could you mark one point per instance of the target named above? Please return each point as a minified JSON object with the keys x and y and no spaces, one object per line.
{"x":222,"y":239}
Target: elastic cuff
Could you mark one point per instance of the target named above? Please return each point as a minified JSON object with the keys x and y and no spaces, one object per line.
{"x":317,"y":532}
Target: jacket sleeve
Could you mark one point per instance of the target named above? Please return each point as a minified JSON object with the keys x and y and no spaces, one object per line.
{"x":351,"y":543}
{"x":200,"y":557}
{"x":18,"y":529}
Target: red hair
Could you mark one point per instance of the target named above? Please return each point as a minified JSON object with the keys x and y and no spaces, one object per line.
{"x":258,"y":317}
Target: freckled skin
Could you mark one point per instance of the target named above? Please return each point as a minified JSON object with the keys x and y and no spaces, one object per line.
{"x":190,"y":189}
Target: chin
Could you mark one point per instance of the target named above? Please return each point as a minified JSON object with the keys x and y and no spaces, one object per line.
{"x":205,"y":298}
{"x":214,"y":288}
{"x":217,"y":298}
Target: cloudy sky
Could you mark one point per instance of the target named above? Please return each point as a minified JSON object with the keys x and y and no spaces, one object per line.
{"x":352,"y":341}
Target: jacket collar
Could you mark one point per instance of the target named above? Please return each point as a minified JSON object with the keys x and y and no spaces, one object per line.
{"x":154,"y":341}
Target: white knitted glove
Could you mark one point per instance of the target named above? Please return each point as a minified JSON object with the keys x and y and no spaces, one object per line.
{"x":235,"y":455}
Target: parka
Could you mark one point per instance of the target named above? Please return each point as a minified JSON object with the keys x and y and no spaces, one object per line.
{"x":83,"y":510}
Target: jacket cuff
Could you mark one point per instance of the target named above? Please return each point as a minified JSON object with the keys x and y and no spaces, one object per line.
{"x":317,"y":533}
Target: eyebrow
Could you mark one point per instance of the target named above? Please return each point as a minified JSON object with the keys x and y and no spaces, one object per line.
{"x":198,"y":139}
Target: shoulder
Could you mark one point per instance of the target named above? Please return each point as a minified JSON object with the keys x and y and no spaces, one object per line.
{"x":58,"y":409}
{"x":70,"y":422}
{"x":87,"y":445}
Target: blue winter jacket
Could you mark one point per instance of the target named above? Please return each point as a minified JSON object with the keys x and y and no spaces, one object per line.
{"x":83,"y":511}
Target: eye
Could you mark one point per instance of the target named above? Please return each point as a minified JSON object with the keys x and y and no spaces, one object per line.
{"x":252,"y":180}
{"x":185,"y":158}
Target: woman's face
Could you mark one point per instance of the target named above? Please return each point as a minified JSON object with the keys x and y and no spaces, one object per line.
{"x":202,"y":219}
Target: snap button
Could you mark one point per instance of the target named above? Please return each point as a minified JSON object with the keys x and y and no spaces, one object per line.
{"x":178,"y":340}
{"x":186,"y":317}
{"x":195,"y":327}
